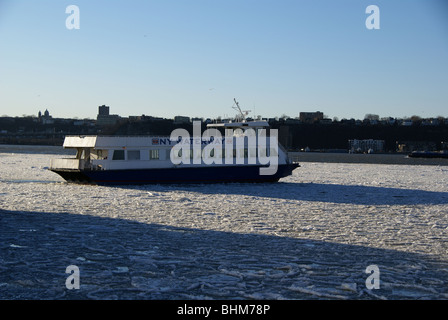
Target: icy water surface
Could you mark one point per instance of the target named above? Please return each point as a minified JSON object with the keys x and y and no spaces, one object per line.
{"x":310,"y":236}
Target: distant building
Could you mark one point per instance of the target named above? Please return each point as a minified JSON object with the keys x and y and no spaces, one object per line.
{"x":292,"y":121}
{"x":311,"y":117}
{"x":103,"y":110}
{"x":181,"y":119}
{"x":366,"y":146}
{"x":104,"y":118}
{"x":136,"y":118}
{"x":46,"y":118}
{"x":326,"y":121}
{"x":388,"y":121}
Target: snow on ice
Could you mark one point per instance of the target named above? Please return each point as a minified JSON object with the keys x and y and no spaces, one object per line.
{"x":310,"y":236}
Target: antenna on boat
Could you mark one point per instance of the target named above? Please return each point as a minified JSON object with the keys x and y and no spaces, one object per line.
{"x":242,"y":114}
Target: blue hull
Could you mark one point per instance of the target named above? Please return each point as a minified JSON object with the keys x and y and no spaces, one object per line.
{"x":206,"y":174}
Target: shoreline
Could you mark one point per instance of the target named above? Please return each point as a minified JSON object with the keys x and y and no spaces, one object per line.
{"x":376,"y":158}
{"x":310,"y":236}
{"x":326,"y":157}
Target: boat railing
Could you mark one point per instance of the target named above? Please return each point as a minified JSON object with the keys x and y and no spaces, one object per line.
{"x":68,"y":163}
{"x":77,"y":164}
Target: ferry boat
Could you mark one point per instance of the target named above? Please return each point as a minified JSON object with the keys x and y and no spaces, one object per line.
{"x":119,"y":160}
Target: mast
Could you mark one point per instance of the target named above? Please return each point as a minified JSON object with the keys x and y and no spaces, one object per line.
{"x":242,"y":114}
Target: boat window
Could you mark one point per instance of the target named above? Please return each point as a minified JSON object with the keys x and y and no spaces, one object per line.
{"x":98,"y":154}
{"x":133,"y":154}
{"x":118,"y":155}
{"x":154,"y":154}
{"x":83,"y":153}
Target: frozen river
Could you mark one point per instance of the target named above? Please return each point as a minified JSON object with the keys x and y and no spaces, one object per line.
{"x":310,"y":236}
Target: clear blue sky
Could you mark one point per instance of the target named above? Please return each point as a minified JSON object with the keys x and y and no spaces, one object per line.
{"x":192,"y":57}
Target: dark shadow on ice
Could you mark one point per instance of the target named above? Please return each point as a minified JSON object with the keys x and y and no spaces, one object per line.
{"x":124,"y":259}
{"x":333,"y":193}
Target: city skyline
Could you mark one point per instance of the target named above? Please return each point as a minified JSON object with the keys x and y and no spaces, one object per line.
{"x":323,"y":116}
{"x":168,"y":58}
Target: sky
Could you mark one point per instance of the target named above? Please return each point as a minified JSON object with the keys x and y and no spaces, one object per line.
{"x":194,"y":57}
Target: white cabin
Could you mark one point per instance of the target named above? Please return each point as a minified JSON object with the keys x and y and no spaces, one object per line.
{"x":139,"y":152}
